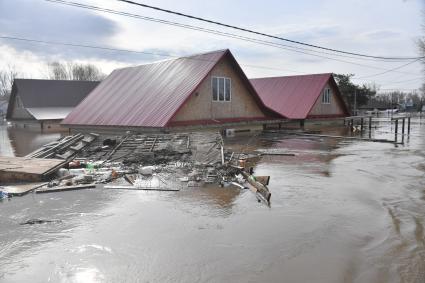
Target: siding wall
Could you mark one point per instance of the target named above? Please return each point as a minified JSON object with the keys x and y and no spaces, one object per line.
{"x":334,"y":108}
{"x":201,"y":106}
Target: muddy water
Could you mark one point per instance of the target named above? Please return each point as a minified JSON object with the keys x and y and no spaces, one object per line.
{"x":342,"y":211}
{"x":20,"y":142}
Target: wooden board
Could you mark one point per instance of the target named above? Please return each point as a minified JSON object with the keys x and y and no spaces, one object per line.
{"x":123,"y":187}
{"x":27,"y":169}
{"x":64,"y":188}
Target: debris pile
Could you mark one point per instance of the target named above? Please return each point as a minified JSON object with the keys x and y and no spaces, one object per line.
{"x":165,"y":162}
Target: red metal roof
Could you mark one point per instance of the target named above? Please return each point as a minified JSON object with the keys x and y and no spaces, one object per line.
{"x":144,"y":96}
{"x":150,"y":95}
{"x":293,"y":96}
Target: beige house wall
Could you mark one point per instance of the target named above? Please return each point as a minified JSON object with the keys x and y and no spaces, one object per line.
{"x":201,"y":106}
{"x":321,"y":109}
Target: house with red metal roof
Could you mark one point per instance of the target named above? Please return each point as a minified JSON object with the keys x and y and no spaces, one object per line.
{"x":207,"y":89}
{"x":302,"y":97}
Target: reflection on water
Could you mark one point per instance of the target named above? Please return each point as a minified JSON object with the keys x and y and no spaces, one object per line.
{"x":5,"y":143}
{"x":341,"y":211}
{"x":20,"y":142}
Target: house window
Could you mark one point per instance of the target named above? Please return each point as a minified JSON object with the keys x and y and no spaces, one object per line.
{"x":221,"y":88}
{"x":326,"y":98}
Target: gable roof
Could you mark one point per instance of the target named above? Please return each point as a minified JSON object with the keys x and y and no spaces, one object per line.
{"x":294,"y":96}
{"x":148,"y":95}
{"x":36,"y":94}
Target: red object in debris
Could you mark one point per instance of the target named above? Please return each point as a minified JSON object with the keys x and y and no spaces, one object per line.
{"x":74,"y":164}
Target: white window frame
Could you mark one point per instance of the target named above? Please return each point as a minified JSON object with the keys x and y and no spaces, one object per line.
{"x":218,"y":90}
{"x":326,"y":97}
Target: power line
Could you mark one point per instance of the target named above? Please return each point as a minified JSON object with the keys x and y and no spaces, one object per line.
{"x":405,"y":81}
{"x":264,"y":34}
{"x":154,"y":54}
{"x":391,"y":70}
{"x":216,"y":32}
{"x":125,"y":50}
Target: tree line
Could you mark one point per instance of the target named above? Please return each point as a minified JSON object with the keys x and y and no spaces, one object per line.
{"x":54,"y":71}
{"x":356,"y":96}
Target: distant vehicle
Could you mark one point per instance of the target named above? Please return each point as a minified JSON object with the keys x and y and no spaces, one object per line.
{"x":372,"y":112}
{"x":389,"y":111}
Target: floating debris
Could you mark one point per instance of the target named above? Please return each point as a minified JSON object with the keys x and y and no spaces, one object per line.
{"x":160,"y":162}
{"x":39,"y":221}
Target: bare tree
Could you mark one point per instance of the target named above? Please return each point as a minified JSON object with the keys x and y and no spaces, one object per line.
{"x":7,"y":76}
{"x":86,"y":72}
{"x":57,"y":71}
{"x":74,"y":71}
{"x":421,"y":46}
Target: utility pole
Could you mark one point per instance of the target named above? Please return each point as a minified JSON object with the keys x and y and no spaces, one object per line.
{"x":355,"y":102}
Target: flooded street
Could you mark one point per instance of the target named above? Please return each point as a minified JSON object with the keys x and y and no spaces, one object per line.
{"x":341,"y":211}
{"x":20,"y":142}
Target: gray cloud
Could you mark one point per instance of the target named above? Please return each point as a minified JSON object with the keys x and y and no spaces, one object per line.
{"x":53,"y":22}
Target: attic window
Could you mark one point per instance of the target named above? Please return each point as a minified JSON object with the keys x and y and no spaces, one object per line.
{"x":221,"y":88}
{"x":326,"y":98}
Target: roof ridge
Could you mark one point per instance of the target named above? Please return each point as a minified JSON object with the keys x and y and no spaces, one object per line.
{"x":206,"y":53}
{"x":304,"y":75}
{"x":174,"y":59}
{"x":53,"y":80}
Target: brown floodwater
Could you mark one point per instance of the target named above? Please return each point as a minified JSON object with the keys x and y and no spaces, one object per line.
{"x":20,"y":142}
{"x":341,"y":211}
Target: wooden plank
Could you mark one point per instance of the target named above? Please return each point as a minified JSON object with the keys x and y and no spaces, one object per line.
{"x":136,"y":188}
{"x":22,"y":188}
{"x":153,"y":144}
{"x":27,"y":165}
{"x":262,"y":190}
{"x":64,"y":188}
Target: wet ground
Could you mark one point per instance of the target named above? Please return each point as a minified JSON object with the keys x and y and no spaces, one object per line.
{"x":341,"y":211}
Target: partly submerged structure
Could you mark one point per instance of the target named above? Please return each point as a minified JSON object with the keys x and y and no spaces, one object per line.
{"x":43,"y":104}
{"x":302,"y":97}
{"x":208,"y":89}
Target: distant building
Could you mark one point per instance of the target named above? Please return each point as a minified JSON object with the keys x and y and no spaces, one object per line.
{"x":375,"y":105}
{"x":204,"y":90}
{"x":302,"y":97}
{"x":43,"y":104}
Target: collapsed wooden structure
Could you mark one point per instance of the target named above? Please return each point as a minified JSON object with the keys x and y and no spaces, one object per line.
{"x":13,"y":169}
{"x":42,"y":163}
{"x":191,"y":158}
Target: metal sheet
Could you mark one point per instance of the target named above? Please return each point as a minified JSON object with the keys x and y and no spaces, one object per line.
{"x":50,"y":113}
{"x":292,"y":96}
{"x":49,"y":93}
{"x":144,"y":96}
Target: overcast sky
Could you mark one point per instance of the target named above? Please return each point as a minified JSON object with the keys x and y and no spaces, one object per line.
{"x":379,"y":27}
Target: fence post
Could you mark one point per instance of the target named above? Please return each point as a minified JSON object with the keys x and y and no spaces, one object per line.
{"x":408,"y":125}
{"x":396,"y":131}
{"x":402,"y":130}
{"x":370,"y":123}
